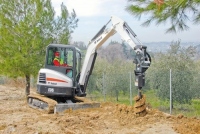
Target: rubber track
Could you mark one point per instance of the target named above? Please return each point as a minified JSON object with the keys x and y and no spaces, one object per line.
{"x":51,"y":103}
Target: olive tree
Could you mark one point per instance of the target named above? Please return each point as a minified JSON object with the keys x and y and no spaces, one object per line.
{"x":180,"y":60}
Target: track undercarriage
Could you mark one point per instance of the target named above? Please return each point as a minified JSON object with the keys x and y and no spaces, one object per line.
{"x":50,"y":105}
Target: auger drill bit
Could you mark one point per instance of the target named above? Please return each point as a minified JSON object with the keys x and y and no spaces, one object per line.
{"x":142,"y":61}
{"x":140,"y":99}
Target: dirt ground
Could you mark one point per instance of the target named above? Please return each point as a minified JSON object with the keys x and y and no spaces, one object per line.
{"x":16,"y":117}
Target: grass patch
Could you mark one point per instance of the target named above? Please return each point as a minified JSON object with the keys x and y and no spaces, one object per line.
{"x":189,"y":110}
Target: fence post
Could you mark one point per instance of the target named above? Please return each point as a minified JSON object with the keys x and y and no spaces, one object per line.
{"x":130,"y":90}
{"x":104,"y":92}
{"x":170,"y":81}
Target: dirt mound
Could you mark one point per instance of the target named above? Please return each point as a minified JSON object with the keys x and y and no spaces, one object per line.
{"x":17,"y":117}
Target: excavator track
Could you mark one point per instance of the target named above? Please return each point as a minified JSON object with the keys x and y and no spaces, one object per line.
{"x":140,"y":106}
{"x":49,"y":105}
{"x":41,"y":102}
{"x":76,"y":103}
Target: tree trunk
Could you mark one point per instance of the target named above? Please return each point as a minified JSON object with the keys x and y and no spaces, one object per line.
{"x":27,"y":85}
{"x":117,"y":94}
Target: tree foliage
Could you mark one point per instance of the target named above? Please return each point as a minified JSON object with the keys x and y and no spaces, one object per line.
{"x":80,"y":44}
{"x":178,"y":59}
{"x":112,"y":52}
{"x":26,"y":28}
{"x":196,"y":81}
{"x":176,"y":12}
{"x":113,"y":77}
{"x":112,"y":71}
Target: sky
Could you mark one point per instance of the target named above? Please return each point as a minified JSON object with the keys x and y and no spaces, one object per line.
{"x":93,"y":14}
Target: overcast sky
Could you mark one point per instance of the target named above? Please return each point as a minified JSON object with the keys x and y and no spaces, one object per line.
{"x":93,"y":14}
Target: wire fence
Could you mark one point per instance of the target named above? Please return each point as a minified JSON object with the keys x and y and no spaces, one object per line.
{"x":174,"y":92}
{"x":114,"y":87}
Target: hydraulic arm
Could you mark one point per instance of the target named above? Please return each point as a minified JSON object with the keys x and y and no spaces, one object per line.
{"x":142,"y":58}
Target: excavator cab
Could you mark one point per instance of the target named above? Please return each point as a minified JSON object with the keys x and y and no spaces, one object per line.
{"x":60,"y":80}
{"x":69,"y":60}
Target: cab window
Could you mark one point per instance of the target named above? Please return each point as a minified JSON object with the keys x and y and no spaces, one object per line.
{"x":50,"y":56}
{"x":65,"y":56}
{"x":69,"y":57}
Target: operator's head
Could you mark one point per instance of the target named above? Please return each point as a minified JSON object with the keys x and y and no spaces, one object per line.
{"x":57,"y":54}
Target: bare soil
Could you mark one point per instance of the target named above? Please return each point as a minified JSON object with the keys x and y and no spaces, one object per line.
{"x":16,"y":117}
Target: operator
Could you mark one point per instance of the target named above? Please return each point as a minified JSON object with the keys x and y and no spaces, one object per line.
{"x":57,"y":61}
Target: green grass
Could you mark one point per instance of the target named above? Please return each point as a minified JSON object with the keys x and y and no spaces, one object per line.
{"x":196,"y":104}
{"x":190,"y":110}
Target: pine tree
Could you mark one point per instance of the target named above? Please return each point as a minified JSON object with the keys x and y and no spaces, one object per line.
{"x":176,"y":12}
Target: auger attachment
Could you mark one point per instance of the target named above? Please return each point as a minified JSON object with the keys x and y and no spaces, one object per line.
{"x":142,"y":61}
{"x":140,"y":99}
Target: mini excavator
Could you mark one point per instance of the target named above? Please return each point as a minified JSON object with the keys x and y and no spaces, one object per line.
{"x":64,"y":87}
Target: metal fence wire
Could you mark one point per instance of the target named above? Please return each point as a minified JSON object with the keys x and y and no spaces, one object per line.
{"x":110,"y":86}
{"x":171,"y":91}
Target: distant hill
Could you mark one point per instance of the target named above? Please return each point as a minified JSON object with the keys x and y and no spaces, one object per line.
{"x":198,"y":48}
{"x":116,"y":50}
{"x":163,"y":46}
